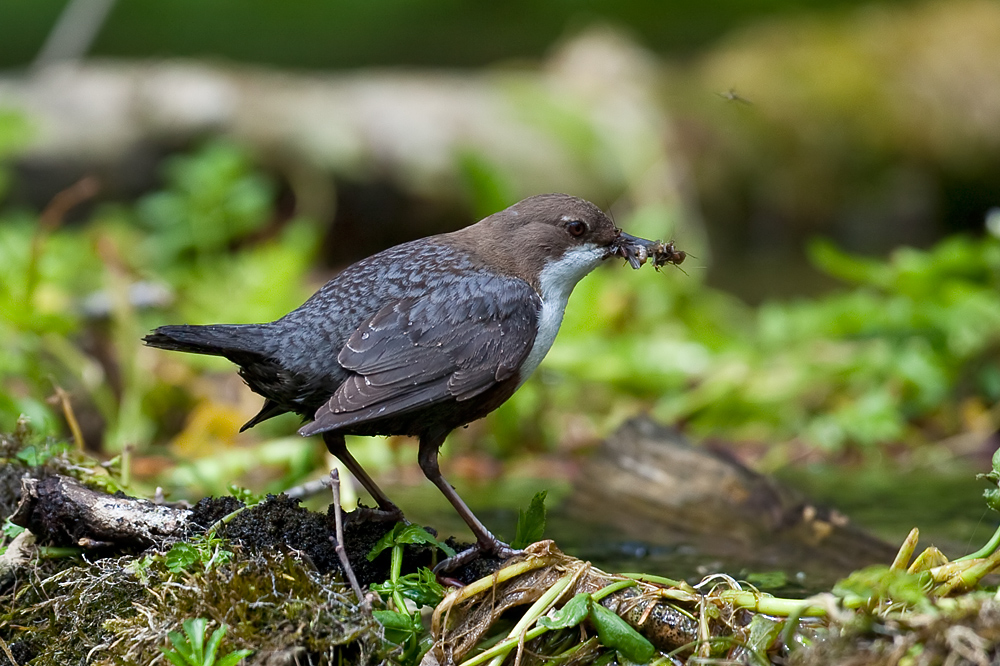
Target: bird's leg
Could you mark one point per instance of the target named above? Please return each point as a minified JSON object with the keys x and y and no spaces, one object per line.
{"x":485,"y":541}
{"x":338,"y":447}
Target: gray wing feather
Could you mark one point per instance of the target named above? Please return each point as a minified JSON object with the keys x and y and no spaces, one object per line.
{"x":417,"y":352}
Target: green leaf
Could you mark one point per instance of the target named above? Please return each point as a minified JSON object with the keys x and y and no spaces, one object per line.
{"x":387,"y":541}
{"x":248,"y":497}
{"x":994,"y":475}
{"x":182,"y":648}
{"x":880,"y":583}
{"x":195,"y":630}
{"x":399,"y":627}
{"x":402,"y":534}
{"x":531,"y":523}
{"x":174,"y":658}
{"x":768,"y":580}
{"x":393,"y":620}
{"x":763,"y":633}
{"x":573,"y":613}
{"x":616,"y":634}
{"x":992,"y":498}
{"x":234,"y":658}
{"x":415,"y":534}
{"x":421,"y":586}
{"x":213,"y":644}
{"x":10,"y":530}
{"x":29,"y":456}
{"x":181,"y":557}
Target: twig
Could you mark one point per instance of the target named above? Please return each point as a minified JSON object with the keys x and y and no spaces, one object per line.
{"x":341,"y":551}
{"x":308,"y":489}
{"x":49,"y":219}
{"x":62,"y":397}
{"x":6,"y":651}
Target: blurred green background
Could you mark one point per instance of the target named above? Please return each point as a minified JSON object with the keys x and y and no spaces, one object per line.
{"x":335,"y":35}
{"x":832,"y":169}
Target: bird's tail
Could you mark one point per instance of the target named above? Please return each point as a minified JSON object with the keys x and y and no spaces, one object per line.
{"x":229,"y":340}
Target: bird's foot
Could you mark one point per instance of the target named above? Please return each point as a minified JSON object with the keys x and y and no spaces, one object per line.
{"x":496,"y":548}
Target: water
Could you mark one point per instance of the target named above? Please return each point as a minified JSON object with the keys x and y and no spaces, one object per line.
{"x":945,"y":504}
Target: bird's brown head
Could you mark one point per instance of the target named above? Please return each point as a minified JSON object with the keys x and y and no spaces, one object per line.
{"x":556,"y":234}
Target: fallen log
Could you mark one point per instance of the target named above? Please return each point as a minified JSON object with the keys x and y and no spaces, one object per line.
{"x":67,"y":513}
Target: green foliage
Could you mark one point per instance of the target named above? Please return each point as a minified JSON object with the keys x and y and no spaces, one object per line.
{"x":404,"y":629}
{"x":764,"y":633}
{"x":14,"y":134}
{"x":571,"y":614}
{"x":880,"y":584}
{"x":36,"y":455}
{"x":530,"y":522}
{"x":616,"y":634}
{"x":895,"y":357}
{"x":207,"y":552}
{"x":202,"y":553}
{"x":402,"y":534}
{"x":245,"y":495}
{"x":992,"y":495}
{"x":10,"y":530}
{"x":903,"y":353}
{"x":421,"y":587}
{"x":489,"y":187}
{"x":71,"y":304}
{"x":190,"y":648}
{"x":213,"y":198}
{"x":406,"y":632}
{"x":612,"y":630}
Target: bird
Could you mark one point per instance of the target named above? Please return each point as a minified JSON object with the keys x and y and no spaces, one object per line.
{"x":424,"y":337}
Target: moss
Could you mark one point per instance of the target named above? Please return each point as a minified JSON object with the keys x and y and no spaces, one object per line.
{"x":118,"y":611}
{"x":55,"y":613}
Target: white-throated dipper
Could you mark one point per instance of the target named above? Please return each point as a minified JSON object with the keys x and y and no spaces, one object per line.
{"x":426,"y":336}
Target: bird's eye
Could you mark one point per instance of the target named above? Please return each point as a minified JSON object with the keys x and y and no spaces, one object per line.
{"x":576,"y":228}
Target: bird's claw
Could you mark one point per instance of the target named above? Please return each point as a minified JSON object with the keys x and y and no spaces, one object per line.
{"x":498,"y":549}
{"x":379,"y":515}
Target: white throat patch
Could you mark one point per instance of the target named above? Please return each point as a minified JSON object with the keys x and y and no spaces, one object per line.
{"x":556,"y":283}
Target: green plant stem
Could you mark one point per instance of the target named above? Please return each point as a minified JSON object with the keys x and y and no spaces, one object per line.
{"x":986,"y":550}
{"x":905,"y":553}
{"x":771,"y":605}
{"x":503,"y":647}
{"x":611,"y":589}
{"x":658,"y":580}
{"x":224,"y":520}
{"x":395,"y":568}
{"x":970,"y":577}
{"x":126,"y":465}
{"x":692,"y":645}
{"x":539,"y":608}
{"x":505,"y":574}
{"x":56,"y":552}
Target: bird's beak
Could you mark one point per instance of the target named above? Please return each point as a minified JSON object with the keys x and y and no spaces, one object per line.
{"x":637,"y":250}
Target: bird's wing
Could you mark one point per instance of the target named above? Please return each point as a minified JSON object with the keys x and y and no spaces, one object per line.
{"x":452,"y":343}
